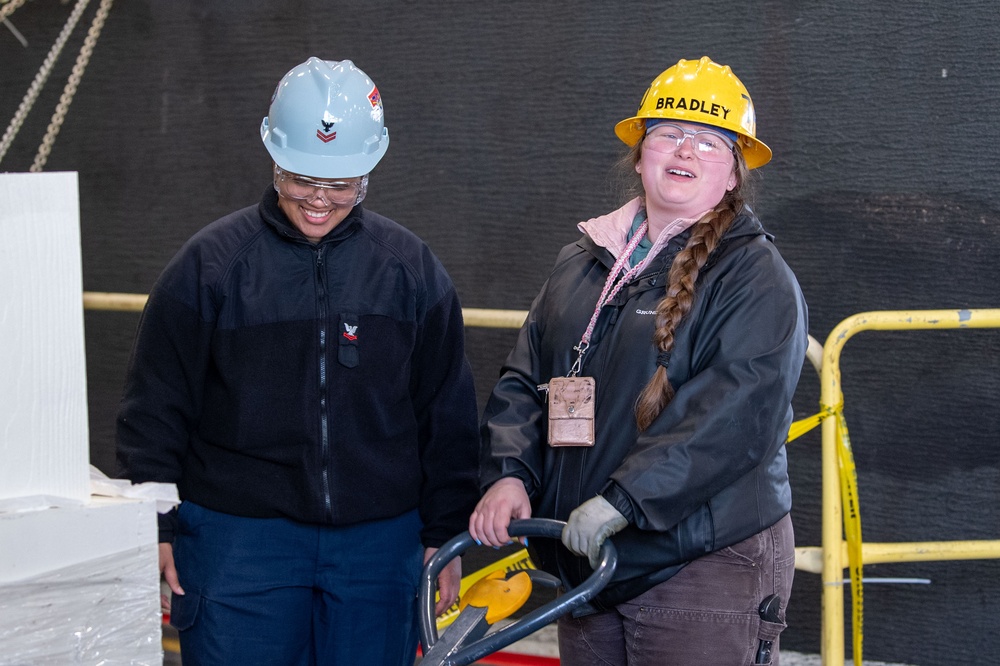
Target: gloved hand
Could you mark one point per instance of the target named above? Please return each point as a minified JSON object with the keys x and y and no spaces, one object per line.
{"x":590,"y":525}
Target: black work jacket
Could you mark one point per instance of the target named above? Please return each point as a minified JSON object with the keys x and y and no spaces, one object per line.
{"x":322,"y":382}
{"x":711,"y":469}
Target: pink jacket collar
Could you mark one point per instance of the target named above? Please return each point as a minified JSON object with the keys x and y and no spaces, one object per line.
{"x":611,"y":231}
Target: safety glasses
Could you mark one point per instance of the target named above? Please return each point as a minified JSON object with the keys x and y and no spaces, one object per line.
{"x":329,"y":192}
{"x":707,"y":145}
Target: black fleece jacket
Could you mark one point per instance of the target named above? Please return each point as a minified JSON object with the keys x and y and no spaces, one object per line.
{"x":326,"y":383}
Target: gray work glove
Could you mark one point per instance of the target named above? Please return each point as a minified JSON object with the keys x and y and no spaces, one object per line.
{"x":590,"y":525}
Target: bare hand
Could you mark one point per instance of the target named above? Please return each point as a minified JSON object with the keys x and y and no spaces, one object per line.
{"x":169,"y":573}
{"x":449,"y":582}
{"x":506,"y":500}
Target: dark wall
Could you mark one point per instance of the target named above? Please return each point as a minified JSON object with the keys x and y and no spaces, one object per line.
{"x":883,"y":121}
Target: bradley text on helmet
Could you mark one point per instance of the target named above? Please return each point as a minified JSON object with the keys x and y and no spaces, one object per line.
{"x":692,"y":104}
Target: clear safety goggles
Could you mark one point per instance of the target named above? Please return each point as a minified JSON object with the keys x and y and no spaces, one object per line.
{"x":707,"y":145}
{"x":329,"y":192}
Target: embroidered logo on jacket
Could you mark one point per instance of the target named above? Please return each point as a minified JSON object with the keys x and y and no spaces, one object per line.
{"x":350,"y":332}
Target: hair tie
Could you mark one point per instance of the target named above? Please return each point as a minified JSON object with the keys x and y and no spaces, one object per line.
{"x":663,"y":358}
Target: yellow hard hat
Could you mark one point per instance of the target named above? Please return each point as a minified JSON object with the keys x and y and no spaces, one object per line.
{"x":700,"y":91}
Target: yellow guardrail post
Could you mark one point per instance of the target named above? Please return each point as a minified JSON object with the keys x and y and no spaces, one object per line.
{"x":831,"y":394}
{"x":832,"y":622}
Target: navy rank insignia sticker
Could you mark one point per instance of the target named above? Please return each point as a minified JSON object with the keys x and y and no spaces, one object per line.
{"x":326,"y":135}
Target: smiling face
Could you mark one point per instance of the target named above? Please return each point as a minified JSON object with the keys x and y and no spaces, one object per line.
{"x":679,"y":184}
{"x":316,"y":206}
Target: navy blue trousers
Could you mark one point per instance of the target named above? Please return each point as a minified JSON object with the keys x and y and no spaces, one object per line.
{"x":272,"y":591}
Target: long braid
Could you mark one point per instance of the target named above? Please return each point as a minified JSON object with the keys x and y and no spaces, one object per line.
{"x":680,"y":293}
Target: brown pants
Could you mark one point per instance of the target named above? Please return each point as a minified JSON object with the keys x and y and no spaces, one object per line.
{"x":706,"y":614}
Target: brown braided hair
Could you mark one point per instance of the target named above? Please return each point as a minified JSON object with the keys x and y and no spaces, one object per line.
{"x":681,"y":279}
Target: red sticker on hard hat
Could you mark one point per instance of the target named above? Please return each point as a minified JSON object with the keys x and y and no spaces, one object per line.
{"x":325,"y":135}
{"x":374,"y":97}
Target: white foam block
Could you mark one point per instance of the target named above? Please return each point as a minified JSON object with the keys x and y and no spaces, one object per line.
{"x":80,"y":585}
{"x":37,"y":542}
{"x":44,"y":438}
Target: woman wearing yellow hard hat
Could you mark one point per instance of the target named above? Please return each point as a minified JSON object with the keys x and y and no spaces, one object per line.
{"x":675,"y":332}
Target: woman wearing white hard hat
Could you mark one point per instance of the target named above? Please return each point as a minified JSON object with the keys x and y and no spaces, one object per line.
{"x":676,"y":333}
{"x":300,"y":374}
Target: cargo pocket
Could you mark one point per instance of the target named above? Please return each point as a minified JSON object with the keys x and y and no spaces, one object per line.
{"x":347,"y":352}
{"x":184,"y":610}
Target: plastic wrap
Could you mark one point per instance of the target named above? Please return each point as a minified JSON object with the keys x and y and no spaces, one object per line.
{"x":164,"y":494}
{"x":101,"y":612}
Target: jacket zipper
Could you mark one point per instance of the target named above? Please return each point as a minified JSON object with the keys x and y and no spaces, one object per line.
{"x":324,"y":425}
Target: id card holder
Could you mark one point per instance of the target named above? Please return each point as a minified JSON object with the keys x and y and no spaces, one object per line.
{"x":571,"y":411}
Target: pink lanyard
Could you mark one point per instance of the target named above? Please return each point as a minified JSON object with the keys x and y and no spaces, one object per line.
{"x":611,"y":289}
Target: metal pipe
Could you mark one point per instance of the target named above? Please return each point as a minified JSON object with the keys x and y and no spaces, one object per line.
{"x":484,"y":318}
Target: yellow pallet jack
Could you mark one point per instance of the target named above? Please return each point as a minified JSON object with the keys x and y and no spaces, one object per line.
{"x":497,"y":597}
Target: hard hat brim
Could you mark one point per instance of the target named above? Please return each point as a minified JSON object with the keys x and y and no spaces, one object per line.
{"x":322,"y":166}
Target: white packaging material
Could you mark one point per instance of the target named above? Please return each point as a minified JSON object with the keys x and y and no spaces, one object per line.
{"x":164,"y":494}
{"x":100,"y":612}
{"x":80,"y":585}
{"x":44,"y":440}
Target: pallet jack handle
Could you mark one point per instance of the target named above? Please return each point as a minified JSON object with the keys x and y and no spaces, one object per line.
{"x":533,"y":621}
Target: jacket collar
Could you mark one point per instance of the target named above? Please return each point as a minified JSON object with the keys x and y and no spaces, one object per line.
{"x":610,"y":232}
{"x":272,"y":214}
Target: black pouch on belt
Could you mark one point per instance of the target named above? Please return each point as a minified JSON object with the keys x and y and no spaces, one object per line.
{"x":770,"y":627}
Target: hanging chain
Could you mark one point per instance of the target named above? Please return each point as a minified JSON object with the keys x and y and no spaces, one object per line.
{"x":9,"y":8}
{"x":71,"y":85}
{"x":43,"y":74}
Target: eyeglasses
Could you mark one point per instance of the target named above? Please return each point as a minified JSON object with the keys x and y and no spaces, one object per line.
{"x":707,"y":145}
{"x":330,"y":192}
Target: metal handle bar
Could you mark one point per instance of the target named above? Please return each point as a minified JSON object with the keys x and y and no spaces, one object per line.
{"x":533,"y":621}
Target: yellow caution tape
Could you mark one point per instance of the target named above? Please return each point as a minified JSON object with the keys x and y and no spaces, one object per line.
{"x":851,"y":508}
{"x":802,"y":426}
{"x":852,"y":528}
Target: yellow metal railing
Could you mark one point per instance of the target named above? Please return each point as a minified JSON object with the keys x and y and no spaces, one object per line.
{"x":834,"y":548}
{"x":101,"y":300}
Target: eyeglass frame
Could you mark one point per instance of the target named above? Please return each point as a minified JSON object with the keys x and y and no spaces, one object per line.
{"x":691,"y":134}
{"x":360,"y":187}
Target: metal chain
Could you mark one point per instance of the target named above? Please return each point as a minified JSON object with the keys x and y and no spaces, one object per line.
{"x":71,"y":85}
{"x":43,"y":74}
{"x":9,"y":8}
